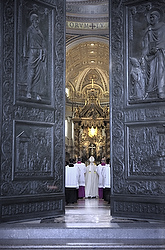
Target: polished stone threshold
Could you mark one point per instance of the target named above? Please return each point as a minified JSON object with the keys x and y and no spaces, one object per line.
{"x":88,"y":224}
{"x":83,"y":244}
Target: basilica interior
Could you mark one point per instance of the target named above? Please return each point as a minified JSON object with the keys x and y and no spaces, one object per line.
{"x":90,"y":97}
{"x":87,"y":80}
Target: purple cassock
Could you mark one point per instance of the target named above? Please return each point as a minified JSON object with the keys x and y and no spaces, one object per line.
{"x":81,"y":180}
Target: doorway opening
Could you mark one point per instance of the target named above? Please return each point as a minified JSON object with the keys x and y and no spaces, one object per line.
{"x":87,"y":99}
{"x":87,"y":122}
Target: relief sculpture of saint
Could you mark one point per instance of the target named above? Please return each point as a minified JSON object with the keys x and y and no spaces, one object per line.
{"x":147,"y":73}
{"x":137,"y":80}
{"x":36,"y":64}
{"x":154,"y":56}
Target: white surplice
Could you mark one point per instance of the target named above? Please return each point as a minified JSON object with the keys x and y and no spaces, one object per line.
{"x":71,"y":177}
{"x":81,"y":173}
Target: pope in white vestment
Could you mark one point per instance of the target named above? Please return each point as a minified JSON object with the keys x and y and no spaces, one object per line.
{"x":91,"y":180}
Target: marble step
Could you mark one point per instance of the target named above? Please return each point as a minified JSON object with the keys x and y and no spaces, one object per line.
{"x":53,"y":236}
{"x":142,"y":231}
{"x":84,"y":245}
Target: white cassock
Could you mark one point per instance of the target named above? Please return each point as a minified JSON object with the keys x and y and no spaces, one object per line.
{"x":107,"y":183}
{"x":101,"y":174}
{"x":107,"y":179}
{"x":91,"y":181}
{"x":81,"y":179}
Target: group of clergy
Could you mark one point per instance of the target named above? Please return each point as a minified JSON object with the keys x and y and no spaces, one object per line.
{"x":91,"y":181}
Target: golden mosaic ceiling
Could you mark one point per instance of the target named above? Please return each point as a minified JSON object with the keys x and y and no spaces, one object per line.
{"x":87,"y":66}
{"x":87,"y":49}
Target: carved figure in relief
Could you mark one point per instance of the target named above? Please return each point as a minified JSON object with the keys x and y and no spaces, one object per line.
{"x":154,"y":56}
{"x":106,"y":111}
{"x":77,"y":112}
{"x":137,"y":80}
{"x":36,"y":68}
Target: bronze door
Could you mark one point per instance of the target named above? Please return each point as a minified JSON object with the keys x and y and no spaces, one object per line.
{"x":32,"y":109}
{"x":137,"y":102}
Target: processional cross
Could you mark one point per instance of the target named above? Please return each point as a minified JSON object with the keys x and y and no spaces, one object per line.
{"x":92,"y":148}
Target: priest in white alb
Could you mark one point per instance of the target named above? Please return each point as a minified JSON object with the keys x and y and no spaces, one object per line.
{"x":81,"y":178}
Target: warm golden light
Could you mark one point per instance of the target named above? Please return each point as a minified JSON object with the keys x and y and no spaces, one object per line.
{"x":92,"y":131}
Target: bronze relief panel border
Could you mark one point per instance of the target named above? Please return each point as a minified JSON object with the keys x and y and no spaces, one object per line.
{"x":139,"y":208}
{"x":30,"y":209}
{"x":33,"y":151}
{"x":145,"y":150}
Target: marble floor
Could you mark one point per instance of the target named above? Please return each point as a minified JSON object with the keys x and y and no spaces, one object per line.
{"x":87,"y":224}
{"x":91,"y":213}
{"x":88,"y":213}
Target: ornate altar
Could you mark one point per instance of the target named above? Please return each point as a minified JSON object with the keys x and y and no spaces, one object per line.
{"x":91,"y":128}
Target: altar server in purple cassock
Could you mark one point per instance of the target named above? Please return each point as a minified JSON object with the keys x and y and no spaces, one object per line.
{"x":81,"y":178}
{"x":107,"y":181}
{"x":101,"y":174}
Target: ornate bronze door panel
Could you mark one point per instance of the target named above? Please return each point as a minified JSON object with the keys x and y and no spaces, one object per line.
{"x":32,"y":109}
{"x":137,"y":98}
